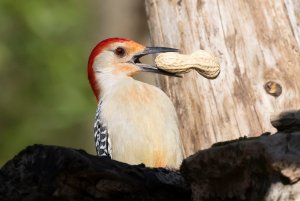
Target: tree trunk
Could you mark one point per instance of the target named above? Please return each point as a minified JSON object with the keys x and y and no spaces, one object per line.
{"x":257,"y":43}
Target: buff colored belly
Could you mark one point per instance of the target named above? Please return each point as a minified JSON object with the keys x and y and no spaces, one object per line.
{"x":142,"y":125}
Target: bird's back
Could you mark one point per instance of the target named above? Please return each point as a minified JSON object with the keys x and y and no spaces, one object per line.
{"x":142,"y":125}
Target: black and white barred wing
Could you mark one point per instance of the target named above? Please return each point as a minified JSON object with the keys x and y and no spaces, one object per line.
{"x":102,"y":140}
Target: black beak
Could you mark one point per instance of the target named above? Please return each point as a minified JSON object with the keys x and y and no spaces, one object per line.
{"x":149,"y":68}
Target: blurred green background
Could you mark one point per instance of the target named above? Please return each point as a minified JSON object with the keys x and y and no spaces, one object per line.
{"x":44,"y":46}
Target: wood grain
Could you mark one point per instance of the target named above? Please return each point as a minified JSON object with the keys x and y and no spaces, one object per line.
{"x":256,"y":42}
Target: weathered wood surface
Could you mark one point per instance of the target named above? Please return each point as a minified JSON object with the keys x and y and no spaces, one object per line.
{"x":256,"y":42}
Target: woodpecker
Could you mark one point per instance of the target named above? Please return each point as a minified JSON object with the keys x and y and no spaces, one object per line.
{"x":135,"y":122}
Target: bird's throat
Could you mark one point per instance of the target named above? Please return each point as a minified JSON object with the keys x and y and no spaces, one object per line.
{"x":109,"y":82}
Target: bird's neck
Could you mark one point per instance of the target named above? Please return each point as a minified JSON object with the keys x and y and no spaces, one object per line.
{"x":109,"y":81}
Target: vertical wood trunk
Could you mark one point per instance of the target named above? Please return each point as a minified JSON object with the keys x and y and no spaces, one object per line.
{"x":256,"y":42}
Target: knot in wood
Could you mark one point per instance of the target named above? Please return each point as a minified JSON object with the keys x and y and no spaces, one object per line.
{"x":273,"y":88}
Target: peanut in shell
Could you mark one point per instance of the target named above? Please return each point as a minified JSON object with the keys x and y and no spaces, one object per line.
{"x":203,"y":62}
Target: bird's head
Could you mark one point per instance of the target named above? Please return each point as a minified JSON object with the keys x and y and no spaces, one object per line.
{"x":119,"y":57}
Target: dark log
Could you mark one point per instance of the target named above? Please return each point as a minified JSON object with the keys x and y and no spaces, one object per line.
{"x":55,"y":173}
{"x":249,"y":169}
{"x":259,"y":168}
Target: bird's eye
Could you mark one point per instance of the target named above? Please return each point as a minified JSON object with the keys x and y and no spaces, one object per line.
{"x":120,"y":52}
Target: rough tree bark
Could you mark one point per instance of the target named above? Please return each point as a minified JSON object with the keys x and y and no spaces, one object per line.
{"x":265,"y":168}
{"x":257,"y":43}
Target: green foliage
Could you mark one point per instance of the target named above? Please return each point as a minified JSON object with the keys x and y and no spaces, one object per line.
{"x":45,"y":96}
